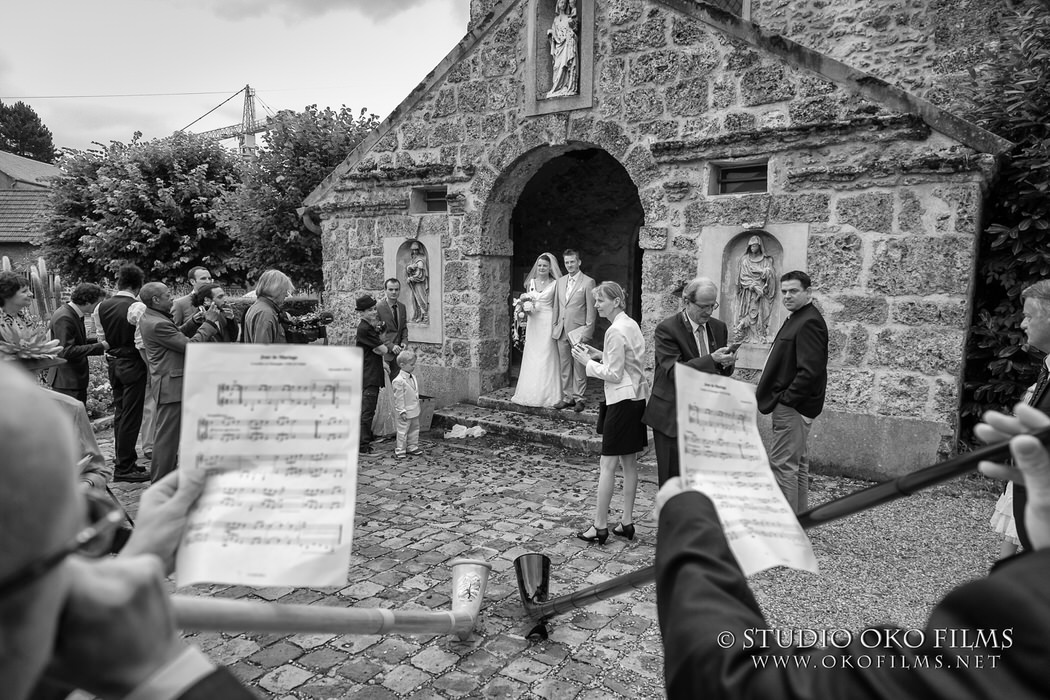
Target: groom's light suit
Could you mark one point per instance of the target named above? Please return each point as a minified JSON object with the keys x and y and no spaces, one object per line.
{"x":572,"y":311}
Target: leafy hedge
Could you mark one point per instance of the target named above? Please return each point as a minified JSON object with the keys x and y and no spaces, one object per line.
{"x":1011,"y":98}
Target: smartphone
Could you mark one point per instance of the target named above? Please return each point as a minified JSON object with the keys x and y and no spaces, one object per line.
{"x":733,"y":347}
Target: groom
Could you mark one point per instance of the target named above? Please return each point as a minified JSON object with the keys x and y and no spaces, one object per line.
{"x":573,"y":308}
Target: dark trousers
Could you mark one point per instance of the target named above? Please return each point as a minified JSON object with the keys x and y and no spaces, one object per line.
{"x":369,"y":400}
{"x":127,"y":378}
{"x":393,"y":367}
{"x":78,"y":394}
{"x":166,"y":440}
{"x":1020,"y":499}
{"x":666,"y":456}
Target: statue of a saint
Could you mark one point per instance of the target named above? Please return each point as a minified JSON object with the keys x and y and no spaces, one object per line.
{"x":418,"y":275}
{"x":565,"y":43}
{"x":756,"y":287}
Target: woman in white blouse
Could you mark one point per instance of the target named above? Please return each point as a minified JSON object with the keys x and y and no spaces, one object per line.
{"x":620,"y":365}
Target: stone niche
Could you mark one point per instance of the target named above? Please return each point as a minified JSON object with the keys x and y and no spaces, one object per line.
{"x":417,"y":263}
{"x":538,"y":70}
{"x":721,"y":248}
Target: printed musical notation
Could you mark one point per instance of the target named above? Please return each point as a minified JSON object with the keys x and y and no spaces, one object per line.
{"x":302,"y":535}
{"x":312,"y":394}
{"x":279,"y":462}
{"x":721,"y":455}
{"x":225,"y":428}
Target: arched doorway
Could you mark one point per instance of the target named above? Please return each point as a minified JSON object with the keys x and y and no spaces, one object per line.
{"x":581,"y":199}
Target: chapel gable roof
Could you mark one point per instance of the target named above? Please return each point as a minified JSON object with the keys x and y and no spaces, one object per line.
{"x":791,"y":53}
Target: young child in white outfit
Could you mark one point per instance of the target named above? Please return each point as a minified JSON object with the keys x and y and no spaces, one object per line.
{"x":406,"y":406}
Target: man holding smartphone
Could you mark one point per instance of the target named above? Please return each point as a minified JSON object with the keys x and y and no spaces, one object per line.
{"x":694,"y":337}
{"x":792,"y":387}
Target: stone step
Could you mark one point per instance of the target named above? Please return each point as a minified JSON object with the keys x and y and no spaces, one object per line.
{"x":500,"y":399}
{"x":549,"y":427}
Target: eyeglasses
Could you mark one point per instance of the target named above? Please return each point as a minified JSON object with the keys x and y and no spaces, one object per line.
{"x":93,"y":541}
{"x":704,"y":307}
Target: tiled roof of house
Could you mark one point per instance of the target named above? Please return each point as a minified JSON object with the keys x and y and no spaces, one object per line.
{"x":26,"y":169}
{"x":18,"y":209}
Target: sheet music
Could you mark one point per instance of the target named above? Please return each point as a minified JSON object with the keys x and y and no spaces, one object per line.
{"x":720,"y":453}
{"x":275,"y":428}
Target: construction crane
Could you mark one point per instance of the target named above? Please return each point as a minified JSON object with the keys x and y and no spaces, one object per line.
{"x":245,"y":131}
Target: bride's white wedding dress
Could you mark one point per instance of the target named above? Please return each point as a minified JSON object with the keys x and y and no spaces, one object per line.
{"x":539,"y":381}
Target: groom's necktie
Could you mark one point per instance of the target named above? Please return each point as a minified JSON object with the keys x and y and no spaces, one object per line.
{"x":393,"y":308}
{"x":1040,"y":385}
{"x":569,"y":287}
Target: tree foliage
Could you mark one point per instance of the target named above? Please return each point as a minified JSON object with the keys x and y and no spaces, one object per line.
{"x":1012,"y":99}
{"x":22,"y":133}
{"x":148,"y":203}
{"x":260,"y":214}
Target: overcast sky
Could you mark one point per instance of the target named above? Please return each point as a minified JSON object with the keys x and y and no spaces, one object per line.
{"x":59,"y":55}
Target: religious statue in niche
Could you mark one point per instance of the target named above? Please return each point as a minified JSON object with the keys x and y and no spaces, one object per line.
{"x":756,"y":288}
{"x":564,"y":40}
{"x":417,"y":271}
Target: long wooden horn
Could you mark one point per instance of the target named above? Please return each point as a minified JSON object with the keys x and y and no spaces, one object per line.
{"x":469,"y":581}
{"x":533,"y":570}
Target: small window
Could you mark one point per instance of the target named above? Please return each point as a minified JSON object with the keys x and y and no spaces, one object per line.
{"x":429,"y":199}
{"x":740,"y":179}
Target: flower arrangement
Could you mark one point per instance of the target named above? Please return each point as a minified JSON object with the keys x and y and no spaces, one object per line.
{"x":523,"y":306}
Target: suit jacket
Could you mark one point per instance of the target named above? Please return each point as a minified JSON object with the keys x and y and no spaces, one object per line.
{"x":1042,"y":402}
{"x":577,"y":311}
{"x":701,"y":594}
{"x":675,"y":342}
{"x":67,"y":327}
{"x":406,"y":394}
{"x":165,"y":347}
{"x":368,"y":339}
{"x":182,"y":309}
{"x":393,"y":333}
{"x":796,"y":371}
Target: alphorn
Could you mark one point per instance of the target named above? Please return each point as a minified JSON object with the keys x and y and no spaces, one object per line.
{"x":469,"y":581}
{"x":533,"y":569}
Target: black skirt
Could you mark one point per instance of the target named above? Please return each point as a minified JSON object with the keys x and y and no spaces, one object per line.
{"x":624,"y":432}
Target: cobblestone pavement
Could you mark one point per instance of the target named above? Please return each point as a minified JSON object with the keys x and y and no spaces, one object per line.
{"x":495,"y":498}
{"x":485,"y":497}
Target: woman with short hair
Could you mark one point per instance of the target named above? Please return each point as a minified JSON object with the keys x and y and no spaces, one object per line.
{"x":15,"y":299}
{"x":621,"y":366}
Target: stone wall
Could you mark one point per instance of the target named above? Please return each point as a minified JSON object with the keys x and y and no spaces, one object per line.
{"x":892,"y":207}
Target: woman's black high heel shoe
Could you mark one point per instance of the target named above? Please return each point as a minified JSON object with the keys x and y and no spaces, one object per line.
{"x":622,"y":530}
{"x":599,"y":536}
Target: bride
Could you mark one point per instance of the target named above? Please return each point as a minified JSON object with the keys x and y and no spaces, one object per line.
{"x":539,"y":381}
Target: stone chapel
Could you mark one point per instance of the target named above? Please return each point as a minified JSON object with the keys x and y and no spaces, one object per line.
{"x":659,"y":137}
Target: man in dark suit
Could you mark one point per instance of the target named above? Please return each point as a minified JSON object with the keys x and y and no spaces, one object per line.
{"x":165,"y":348}
{"x":183,"y":308}
{"x":395,"y":324}
{"x":792,"y":387}
{"x":1036,"y":325}
{"x":696,"y":339}
{"x":370,"y":341}
{"x":127,"y":372}
{"x":67,"y":327}
{"x":985,"y":639}
{"x":103,"y":625}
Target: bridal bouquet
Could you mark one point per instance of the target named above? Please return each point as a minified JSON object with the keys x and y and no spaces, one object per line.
{"x":523,"y":306}
{"x":308,"y":327}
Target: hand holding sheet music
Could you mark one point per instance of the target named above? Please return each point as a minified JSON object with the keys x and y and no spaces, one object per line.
{"x":721,"y":455}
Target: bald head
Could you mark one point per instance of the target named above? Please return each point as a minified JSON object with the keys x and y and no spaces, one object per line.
{"x":40,"y":511}
{"x":155,"y":295}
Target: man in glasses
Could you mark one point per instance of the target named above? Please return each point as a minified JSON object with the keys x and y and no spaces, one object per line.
{"x":792,"y":387}
{"x":67,"y":621}
{"x":697,"y":339}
